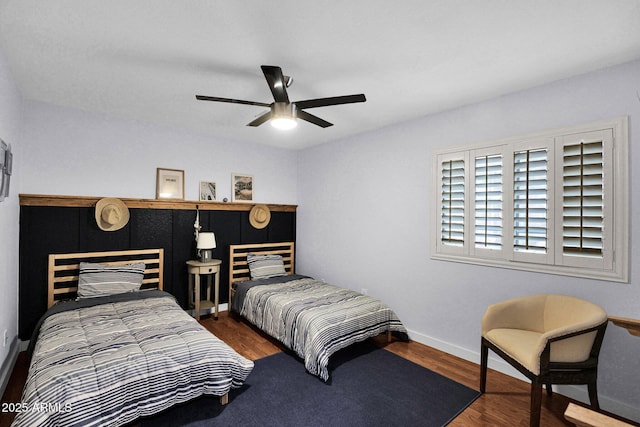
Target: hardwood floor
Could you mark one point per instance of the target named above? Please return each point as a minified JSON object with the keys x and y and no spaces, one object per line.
{"x":506,"y":402}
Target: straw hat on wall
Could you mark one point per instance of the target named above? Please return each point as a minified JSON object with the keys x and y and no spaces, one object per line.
{"x":260,"y":216}
{"x":111,"y":214}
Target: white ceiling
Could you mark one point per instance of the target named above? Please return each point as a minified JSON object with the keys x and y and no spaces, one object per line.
{"x":146,"y":60}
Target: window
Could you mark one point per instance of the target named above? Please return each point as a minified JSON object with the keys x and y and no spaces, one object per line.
{"x":453,"y":202}
{"x":530,"y":204}
{"x":488,"y":202}
{"x":555,"y":201}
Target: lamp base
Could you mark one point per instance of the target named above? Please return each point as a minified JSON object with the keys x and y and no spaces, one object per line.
{"x":206,"y":255}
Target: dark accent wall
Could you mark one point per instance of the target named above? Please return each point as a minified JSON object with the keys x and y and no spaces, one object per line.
{"x":54,"y":229}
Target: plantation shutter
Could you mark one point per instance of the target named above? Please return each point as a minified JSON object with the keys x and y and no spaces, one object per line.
{"x":582,"y":200}
{"x":531,"y":204}
{"x":488,"y":202}
{"x":452,"y":202}
{"x":585,"y":218}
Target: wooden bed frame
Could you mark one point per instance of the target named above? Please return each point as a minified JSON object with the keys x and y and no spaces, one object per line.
{"x":64,"y":269}
{"x":238,"y":268}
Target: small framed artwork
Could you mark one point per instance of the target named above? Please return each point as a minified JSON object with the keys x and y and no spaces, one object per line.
{"x":8,"y":161}
{"x":207,"y":190}
{"x":3,"y":177}
{"x":169,"y":184}
{"x":6,"y":180}
{"x":241,"y":187}
{"x":8,"y":168}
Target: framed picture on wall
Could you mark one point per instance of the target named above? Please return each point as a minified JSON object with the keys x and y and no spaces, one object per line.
{"x":169,"y":184}
{"x":207,"y":190}
{"x":3,"y":178}
{"x":241,"y":187}
{"x":6,"y":180}
{"x":6,"y":168}
{"x":8,"y":161}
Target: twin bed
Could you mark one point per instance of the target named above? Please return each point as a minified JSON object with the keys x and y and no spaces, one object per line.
{"x":312,"y":318}
{"x":117,"y":354}
{"x":120,"y":351}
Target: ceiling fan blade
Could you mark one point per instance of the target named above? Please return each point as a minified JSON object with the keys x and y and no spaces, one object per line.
{"x":232,"y":101}
{"x":313,"y":119}
{"x":260,"y":119}
{"x":276,"y":82}
{"x":335,"y":100}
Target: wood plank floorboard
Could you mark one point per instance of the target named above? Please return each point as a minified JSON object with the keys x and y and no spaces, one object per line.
{"x":506,"y":402}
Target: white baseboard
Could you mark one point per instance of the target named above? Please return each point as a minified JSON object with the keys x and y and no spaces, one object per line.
{"x":578,"y":393}
{"x":7,"y":366}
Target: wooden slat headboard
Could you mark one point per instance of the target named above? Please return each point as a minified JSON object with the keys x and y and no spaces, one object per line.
{"x":238,"y":268}
{"x":64,"y":269}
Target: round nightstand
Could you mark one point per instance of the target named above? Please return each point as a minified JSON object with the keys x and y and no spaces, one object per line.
{"x":195,"y":269}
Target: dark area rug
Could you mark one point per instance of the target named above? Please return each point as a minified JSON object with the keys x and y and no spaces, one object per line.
{"x":368,"y":386}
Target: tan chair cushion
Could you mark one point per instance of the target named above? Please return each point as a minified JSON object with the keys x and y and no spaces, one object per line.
{"x":522,"y":326}
{"x":521,"y":345}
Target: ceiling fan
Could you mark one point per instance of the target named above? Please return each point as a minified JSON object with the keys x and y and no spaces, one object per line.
{"x":283,"y":113}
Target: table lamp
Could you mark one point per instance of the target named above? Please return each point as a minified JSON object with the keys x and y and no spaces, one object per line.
{"x":205,"y":245}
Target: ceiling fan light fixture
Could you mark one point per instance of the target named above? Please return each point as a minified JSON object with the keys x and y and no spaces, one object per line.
{"x":283,"y":116}
{"x":284,"y":123}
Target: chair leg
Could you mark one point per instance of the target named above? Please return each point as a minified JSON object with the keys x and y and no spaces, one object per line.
{"x":549,"y":389}
{"x":536,"y":403}
{"x":593,"y":395}
{"x":484,"y":355}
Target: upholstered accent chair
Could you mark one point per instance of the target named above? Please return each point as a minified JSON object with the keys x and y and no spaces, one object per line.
{"x":551,"y":339}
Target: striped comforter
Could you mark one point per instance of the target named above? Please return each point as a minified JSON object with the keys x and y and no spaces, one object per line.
{"x":316,"y":319}
{"x":111,"y":363}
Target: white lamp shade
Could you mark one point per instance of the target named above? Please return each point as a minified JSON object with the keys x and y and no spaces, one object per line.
{"x":206,"y":240}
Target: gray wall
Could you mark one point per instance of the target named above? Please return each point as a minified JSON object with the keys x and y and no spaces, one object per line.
{"x":10,"y":127}
{"x":365,"y":215}
{"x":71,"y":152}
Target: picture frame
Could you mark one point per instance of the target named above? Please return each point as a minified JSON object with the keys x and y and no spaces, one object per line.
{"x":3,"y":150}
{"x":6,"y":169}
{"x":207,"y":191}
{"x":6,"y":180}
{"x":169,"y":184}
{"x":8,"y":161}
{"x":241,"y":187}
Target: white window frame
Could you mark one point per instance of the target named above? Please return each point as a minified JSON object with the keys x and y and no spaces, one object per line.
{"x":614,"y":265}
